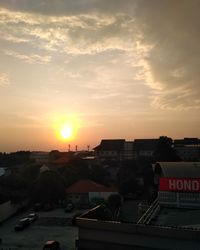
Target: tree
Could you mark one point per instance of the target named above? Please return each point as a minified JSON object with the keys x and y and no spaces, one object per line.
{"x":76,"y":169}
{"x":126,"y":178}
{"x":99,"y":174}
{"x":48,"y":188}
{"x":164,"y":150}
{"x":114,"y":204}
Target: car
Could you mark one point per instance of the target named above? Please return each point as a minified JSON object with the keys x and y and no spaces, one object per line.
{"x":69,"y":207}
{"x":23,"y":223}
{"x":52,"y":245}
{"x":32,"y":217}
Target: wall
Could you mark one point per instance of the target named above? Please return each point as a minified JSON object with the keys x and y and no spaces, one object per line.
{"x":7,"y":210}
{"x":103,"y":195}
{"x":98,"y":235}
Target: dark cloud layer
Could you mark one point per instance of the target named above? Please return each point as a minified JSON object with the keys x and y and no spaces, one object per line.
{"x":170,"y":28}
{"x":67,"y":7}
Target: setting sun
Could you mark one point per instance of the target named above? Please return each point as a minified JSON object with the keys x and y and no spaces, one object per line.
{"x":66,"y":127}
{"x":66,"y":132}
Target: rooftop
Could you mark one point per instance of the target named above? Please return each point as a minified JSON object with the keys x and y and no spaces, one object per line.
{"x":145,"y":144}
{"x":111,"y":144}
{"x":179,"y":169}
{"x":176,"y":217}
{"x":86,"y":186}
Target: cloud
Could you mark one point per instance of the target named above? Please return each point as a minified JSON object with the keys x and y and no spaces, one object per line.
{"x":169,"y":51}
{"x":163,"y":35}
{"x":68,"y":7}
{"x":4,"y":79}
{"x":76,"y":34}
{"x":31,"y":59}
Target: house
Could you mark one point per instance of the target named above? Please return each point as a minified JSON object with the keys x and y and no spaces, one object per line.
{"x":110,"y":149}
{"x":84,"y":192}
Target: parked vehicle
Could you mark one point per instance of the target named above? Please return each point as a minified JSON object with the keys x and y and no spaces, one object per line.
{"x":32,"y":217}
{"x":52,"y":245}
{"x":23,"y":223}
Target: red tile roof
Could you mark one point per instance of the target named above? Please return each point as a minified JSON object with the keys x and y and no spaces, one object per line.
{"x":86,"y":186}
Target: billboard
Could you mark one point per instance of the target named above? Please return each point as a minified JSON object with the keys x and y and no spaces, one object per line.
{"x":180,"y":184}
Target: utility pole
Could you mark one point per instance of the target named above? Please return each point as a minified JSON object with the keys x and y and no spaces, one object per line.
{"x":69,"y":147}
{"x":88,"y":147}
{"x":76,"y":148}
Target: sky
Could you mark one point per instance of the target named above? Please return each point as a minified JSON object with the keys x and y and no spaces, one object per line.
{"x":121,"y":69}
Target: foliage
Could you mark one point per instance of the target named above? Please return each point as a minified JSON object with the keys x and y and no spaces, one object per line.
{"x":48,"y":188}
{"x":30,"y":173}
{"x":15,"y":158}
{"x":126,"y":181}
{"x":164,"y":150}
{"x":99,"y":174}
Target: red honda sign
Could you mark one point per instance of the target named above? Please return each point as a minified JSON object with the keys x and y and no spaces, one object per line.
{"x":180,"y":184}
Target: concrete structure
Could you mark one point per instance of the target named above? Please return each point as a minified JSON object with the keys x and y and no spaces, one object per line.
{"x":128,"y":150}
{"x":145,"y":148}
{"x":7,"y":209}
{"x":188,"y":149}
{"x":188,"y":153}
{"x":167,"y":224}
{"x":94,"y":234}
{"x":110,"y":149}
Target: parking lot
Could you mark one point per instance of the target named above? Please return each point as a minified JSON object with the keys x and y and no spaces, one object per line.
{"x":51,"y":225}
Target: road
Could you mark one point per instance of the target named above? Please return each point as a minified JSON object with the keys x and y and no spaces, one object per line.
{"x":52,"y":225}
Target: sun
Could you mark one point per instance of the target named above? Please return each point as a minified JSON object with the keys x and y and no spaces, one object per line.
{"x":66,"y":132}
{"x":66,"y":127}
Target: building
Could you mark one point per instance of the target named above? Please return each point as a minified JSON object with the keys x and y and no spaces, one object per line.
{"x":179,"y":184}
{"x":144,"y":148}
{"x":171,"y":222}
{"x":84,"y":192}
{"x":110,"y":149}
{"x":40,"y":157}
{"x":128,"y":150}
{"x":187,"y":142}
{"x":188,"y":149}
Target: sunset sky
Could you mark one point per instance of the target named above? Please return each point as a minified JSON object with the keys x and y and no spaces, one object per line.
{"x":107,"y":68}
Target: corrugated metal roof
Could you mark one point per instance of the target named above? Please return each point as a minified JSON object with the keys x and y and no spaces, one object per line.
{"x":179,"y":169}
